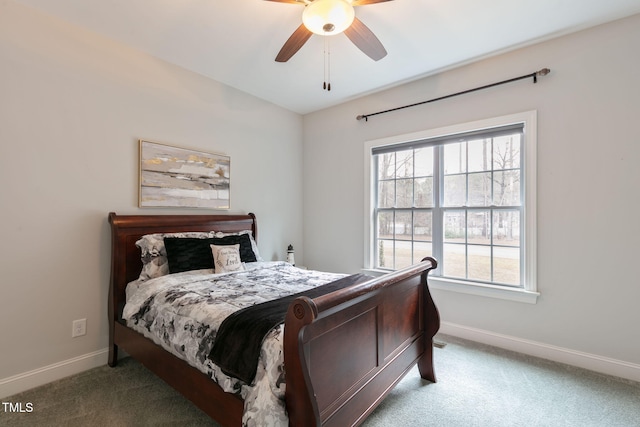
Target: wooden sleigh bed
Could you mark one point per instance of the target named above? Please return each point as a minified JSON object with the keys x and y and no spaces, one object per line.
{"x":343,"y":351}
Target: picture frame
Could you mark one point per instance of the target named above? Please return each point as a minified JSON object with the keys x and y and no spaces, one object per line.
{"x":174,"y":177}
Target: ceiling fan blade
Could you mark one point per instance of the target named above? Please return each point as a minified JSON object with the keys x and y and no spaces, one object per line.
{"x":365,"y":40}
{"x":363,"y":2}
{"x":294,"y":43}
{"x":288,"y":1}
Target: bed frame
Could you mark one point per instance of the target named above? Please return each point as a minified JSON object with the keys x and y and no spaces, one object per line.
{"x":343,"y":351}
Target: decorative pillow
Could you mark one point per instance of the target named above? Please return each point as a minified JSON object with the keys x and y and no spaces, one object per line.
{"x":154,"y":255}
{"x":244,"y":240}
{"x":227,"y":258}
{"x":254,"y":245}
{"x":185,"y":254}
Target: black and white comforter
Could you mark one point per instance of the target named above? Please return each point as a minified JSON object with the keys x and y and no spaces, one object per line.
{"x":182,"y":313}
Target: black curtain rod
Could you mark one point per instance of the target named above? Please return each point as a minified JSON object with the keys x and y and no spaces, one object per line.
{"x":535,"y":75}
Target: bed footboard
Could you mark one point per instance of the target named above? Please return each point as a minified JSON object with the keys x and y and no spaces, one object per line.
{"x":346,"y":350}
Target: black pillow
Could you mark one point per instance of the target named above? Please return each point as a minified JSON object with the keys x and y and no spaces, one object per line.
{"x":246,"y":250}
{"x":186,"y":254}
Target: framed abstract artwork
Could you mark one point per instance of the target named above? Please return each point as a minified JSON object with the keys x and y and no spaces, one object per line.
{"x":178,"y":177}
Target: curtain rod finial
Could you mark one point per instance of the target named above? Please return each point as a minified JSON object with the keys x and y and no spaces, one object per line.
{"x":361,"y":116}
{"x":543,"y":72}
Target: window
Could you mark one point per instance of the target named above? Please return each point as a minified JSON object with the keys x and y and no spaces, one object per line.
{"x":464,"y":195}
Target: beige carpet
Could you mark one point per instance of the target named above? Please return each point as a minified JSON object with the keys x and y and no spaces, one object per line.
{"x":477,"y":385}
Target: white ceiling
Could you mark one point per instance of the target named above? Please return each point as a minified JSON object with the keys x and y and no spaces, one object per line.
{"x":235,"y":41}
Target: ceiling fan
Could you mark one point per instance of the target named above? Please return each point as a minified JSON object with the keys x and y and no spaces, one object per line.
{"x":329,"y":17}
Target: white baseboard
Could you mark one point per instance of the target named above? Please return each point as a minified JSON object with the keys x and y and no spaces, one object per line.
{"x":592,"y":362}
{"x":28,"y":380}
{"x":41,"y":376}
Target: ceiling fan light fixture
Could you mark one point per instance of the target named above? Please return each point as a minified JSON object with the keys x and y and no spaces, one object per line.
{"x":328,"y":17}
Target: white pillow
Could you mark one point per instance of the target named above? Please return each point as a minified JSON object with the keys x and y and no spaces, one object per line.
{"x":226,"y":259}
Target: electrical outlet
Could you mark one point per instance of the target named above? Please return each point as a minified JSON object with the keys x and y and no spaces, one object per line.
{"x":79,"y":328}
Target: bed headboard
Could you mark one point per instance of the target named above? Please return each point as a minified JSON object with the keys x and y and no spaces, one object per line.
{"x":127,"y":229}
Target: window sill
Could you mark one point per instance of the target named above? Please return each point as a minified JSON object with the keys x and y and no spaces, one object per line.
{"x":490,"y":291}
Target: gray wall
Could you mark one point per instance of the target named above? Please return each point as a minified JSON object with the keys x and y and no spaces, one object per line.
{"x":72,"y":108}
{"x":588,"y":199}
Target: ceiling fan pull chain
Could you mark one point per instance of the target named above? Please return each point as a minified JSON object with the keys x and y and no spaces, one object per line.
{"x":329,"y":68}
{"x":324,"y":64}
{"x":328,"y":56}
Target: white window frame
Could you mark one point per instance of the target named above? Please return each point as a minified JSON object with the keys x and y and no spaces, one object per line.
{"x":528,"y":293}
